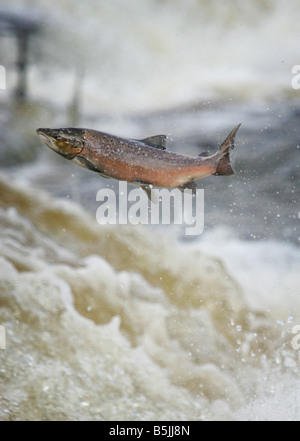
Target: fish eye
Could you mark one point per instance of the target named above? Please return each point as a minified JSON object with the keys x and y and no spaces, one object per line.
{"x":78,"y":143}
{"x":65,"y":141}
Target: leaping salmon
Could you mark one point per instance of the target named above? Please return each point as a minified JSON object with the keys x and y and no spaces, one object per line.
{"x":145,"y":162}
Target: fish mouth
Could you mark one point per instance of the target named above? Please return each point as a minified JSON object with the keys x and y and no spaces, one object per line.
{"x":47,"y":139}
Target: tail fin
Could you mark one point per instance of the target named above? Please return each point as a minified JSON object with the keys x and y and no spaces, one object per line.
{"x":224,"y":167}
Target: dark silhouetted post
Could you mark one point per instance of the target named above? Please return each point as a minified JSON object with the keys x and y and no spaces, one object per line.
{"x":22,"y":26}
{"x":22,"y":63}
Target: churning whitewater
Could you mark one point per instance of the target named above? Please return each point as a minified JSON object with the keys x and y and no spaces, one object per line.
{"x":90,"y":315}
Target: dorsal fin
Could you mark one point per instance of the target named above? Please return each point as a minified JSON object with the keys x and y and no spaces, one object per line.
{"x":158,"y":141}
{"x":204,"y":154}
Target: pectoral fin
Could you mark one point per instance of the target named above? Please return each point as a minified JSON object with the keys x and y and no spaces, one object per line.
{"x":83,"y":162}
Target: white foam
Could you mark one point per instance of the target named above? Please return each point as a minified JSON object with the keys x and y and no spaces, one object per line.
{"x":266,"y":270}
{"x":130,"y":325}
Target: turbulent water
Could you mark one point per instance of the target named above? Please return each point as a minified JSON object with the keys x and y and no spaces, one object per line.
{"x":142,"y":322}
{"x":114,"y":323}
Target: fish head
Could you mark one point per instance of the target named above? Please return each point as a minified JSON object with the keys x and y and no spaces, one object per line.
{"x":66,"y":142}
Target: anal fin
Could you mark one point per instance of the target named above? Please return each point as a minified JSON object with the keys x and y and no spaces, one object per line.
{"x":191,"y":185}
